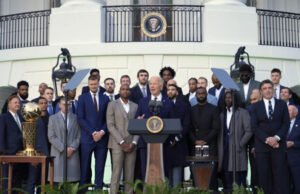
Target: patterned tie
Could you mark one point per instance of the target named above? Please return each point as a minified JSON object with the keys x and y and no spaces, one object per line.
{"x":111,"y":98}
{"x":95,"y":102}
{"x":73,"y":107}
{"x":270,"y":110}
{"x":144,"y":92}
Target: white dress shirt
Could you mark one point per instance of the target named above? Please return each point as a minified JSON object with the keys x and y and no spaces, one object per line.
{"x":125,"y":105}
{"x":192,"y":95}
{"x":246,"y":89}
{"x":266,"y":101}
{"x":218,"y":92}
{"x":291,"y":125}
{"x":110,"y":95}
{"x":277,"y":91}
{"x":17,"y":119}
{"x":143,"y":88}
{"x":97,"y":97}
{"x":158,"y":98}
{"x":228,"y":117}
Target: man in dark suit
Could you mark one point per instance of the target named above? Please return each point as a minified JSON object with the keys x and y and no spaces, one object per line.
{"x":141,"y":89}
{"x":109,"y":84}
{"x":155,"y":85}
{"x":42,"y":145}
{"x":91,"y":114}
{"x":246,"y":85}
{"x":22,"y":94}
{"x":176,"y":145}
{"x":192,"y":89}
{"x":217,"y":90}
{"x":42,"y":88}
{"x":94,"y":72}
{"x":205,"y":128}
{"x":275,"y":78}
{"x":293,"y":149}
{"x":11,"y":140}
{"x":270,"y":124}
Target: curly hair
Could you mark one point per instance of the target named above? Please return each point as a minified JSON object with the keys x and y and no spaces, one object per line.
{"x":170,"y":69}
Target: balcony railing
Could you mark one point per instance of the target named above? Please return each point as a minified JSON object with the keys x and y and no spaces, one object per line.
{"x":279,"y":28}
{"x":124,"y":23}
{"x":24,"y":29}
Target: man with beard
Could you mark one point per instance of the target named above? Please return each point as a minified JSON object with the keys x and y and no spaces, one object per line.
{"x":205,"y":128}
{"x":176,"y":145}
{"x":125,"y":80}
{"x":246,"y":85}
{"x":217,"y":90}
{"x":22,"y":94}
{"x":42,"y":145}
{"x":109,"y":84}
{"x":192,"y":89}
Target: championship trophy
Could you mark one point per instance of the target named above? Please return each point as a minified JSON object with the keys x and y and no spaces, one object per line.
{"x":31,"y":113}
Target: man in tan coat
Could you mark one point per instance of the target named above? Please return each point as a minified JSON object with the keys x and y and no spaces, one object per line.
{"x":122,"y":144}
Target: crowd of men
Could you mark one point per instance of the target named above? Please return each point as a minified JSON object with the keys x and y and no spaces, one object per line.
{"x":258,"y":124}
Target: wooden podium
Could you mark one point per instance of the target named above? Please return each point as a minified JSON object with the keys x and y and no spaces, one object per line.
{"x":155,"y":167}
{"x":202,"y":169}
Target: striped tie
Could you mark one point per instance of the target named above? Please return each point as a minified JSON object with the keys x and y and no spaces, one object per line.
{"x":270,"y":110}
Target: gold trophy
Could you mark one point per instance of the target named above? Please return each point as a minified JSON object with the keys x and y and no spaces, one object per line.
{"x":31,"y":113}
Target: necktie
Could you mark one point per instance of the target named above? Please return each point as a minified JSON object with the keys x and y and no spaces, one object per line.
{"x":73,"y":107}
{"x":50,"y":109}
{"x":111,"y":97}
{"x":18,"y":121}
{"x":95,"y":102}
{"x":144,"y":92}
{"x":290,"y":129}
{"x":275,"y":93}
{"x":270,"y":110}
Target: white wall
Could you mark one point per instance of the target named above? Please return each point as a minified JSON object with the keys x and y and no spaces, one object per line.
{"x":280,"y":5}
{"x":8,"y":7}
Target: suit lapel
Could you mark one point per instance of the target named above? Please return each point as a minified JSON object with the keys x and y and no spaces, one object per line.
{"x":294,"y":128}
{"x":263,"y":108}
{"x":14,"y":121}
{"x":121,"y":108}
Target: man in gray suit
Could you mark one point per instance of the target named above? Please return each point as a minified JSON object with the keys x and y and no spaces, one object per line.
{"x":56,"y":132}
{"x":122,"y":144}
{"x":246,"y":85}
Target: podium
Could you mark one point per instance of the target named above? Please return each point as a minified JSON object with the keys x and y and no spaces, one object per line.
{"x":202,"y":169}
{"x":154,"y":131}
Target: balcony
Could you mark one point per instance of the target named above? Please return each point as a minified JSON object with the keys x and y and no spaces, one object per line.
{"x":183,"y":23}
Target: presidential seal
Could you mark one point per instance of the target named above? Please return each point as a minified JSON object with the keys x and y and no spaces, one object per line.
{"x":154,"y":124}
{"x":154,"y":25}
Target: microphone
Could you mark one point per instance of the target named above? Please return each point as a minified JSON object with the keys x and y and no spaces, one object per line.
{"x":157,"y":107}
{"x":151,"y":105}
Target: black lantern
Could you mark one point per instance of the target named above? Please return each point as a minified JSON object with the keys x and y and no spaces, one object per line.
{"x":238,"y":62}
{"x":65,"y":71}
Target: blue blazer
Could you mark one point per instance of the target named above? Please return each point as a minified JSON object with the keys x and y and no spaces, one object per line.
{"x":263,"y":127}
{"x":143,"y":109}
{"x":212,"y":91}
{"x":293,"y":153}
{"x":86,"y":89}
{"x":136,"y":93}
{"x":11,"y":140}
{"x":90,"y":120}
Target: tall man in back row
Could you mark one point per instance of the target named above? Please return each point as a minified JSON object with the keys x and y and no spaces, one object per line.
{"x":270,"y":123}
{"x":91,"y":114}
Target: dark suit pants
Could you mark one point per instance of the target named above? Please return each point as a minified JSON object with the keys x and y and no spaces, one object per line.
{"x":34,"y":178}
{"x":227,"y":180}
{"x":100,"y":154}
{"x":272,"y":172}
{"x":143,"y":162}
{"x":295,"y":179}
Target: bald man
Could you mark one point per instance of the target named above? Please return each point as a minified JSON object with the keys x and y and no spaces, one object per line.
{"x":293,"y":149}
{"x":217,"y":90}
{"x":143,"y":112}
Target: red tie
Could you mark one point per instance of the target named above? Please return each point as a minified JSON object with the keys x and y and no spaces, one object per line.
{"x":95,"y":102}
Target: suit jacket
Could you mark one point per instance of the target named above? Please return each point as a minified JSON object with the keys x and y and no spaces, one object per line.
{"x":11,"y":138}
{"x":116,"y":96}
{"x":56,"y":134}
{"x":143,"y":109}
{"x":252,"y":85}
{"x":293,"y":153}
{"x":263,"y":127}
{"x":41,"y":137}
{"x":180,"y":110}
{"x":136,"y":93}
{"x":210,"y":99}
{"x":117,"y":123}
{"x":212,"y":91}
{"x":86,"y":89}
{"x":36,"y":100}
{"x":179,"y":89}
{"x":205,"y":126}
{"x":90,"y":120}
{"x":243,"y":133}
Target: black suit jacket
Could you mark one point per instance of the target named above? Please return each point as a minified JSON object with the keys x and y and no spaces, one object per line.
{"x":86,"y":89}
{"x":11,"y":140}
{"x":205,"y":126}
{"x":263,"y":127}
{"x":42,"y":143}
{"x":36,"y":100}
{"x":136,"y":93}
{"x":293,"y":153}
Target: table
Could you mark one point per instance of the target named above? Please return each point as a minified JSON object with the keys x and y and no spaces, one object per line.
{"x":43,"y":160}
{"x":202,"y":169}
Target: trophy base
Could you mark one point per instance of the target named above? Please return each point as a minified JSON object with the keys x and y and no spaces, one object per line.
{"x":28,"y":152}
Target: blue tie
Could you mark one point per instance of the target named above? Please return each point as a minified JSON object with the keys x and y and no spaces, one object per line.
{"x":50,"y":109}
{"x":270,"y":110}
